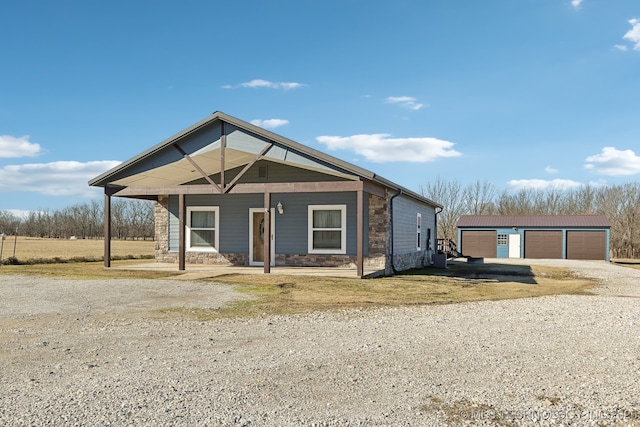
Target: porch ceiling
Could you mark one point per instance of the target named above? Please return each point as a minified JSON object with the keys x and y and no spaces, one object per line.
{"x":209,"y":160}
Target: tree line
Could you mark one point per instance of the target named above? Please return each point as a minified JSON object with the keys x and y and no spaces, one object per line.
{"x":620,"y":203}
{"x":134,"y":219}
{"x":130,"y":219}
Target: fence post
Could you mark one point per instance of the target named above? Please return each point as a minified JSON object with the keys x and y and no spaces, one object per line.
{"x":2,"y":237}
{"x":15,"y":242}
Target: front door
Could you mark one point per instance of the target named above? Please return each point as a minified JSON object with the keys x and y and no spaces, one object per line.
{"x":514,"y":246}
{"x":256,"y":236}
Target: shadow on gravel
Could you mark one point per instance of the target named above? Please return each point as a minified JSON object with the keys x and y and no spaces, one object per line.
{"x":489,"y":272}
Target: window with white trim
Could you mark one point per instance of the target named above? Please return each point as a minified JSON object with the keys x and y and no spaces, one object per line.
{"x":202,"y":228}
{"x":503,"y":240}
{"x":419,"y":231}
{"x":327,"y":229}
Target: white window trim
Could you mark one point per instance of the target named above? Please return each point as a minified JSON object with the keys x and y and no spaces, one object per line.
{"x":419,"y":231}
{"x":216,"y":228}
{"x":343,"y":229}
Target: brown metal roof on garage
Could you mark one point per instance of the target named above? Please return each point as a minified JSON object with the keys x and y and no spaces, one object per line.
{"x":522,"y":221}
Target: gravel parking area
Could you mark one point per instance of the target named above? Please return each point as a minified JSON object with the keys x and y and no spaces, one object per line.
{"x":95,"y":353}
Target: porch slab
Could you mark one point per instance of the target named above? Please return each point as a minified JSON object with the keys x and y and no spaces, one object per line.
{"x":201,"y":271}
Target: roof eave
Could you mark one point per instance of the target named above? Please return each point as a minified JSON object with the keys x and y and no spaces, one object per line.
{"x":100,"y":180}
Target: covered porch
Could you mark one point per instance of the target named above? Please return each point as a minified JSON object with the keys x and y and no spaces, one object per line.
{"x":235,"y":176}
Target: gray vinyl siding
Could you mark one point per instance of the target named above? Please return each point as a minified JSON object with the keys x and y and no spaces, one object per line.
{"x":291,"y":227}
{"x":234,"y":218}
{"x":405,"y":210}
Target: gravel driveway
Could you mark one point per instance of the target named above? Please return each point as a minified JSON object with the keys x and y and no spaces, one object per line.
{"x":92,"y":353}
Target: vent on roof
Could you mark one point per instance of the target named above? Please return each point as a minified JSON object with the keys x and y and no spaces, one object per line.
{"x":262,"y":172}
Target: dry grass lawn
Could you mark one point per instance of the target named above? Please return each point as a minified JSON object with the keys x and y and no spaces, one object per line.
{"x":631,"y":263}
{"x":84,"y":270}
{"x":282,"y":294}
{"x":31,"y":248}
{"x":290,"y":294}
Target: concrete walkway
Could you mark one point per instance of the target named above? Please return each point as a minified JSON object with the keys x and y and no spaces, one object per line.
{"x":200,"y":271}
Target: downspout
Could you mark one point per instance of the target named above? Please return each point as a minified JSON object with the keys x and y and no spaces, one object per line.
{"x":436,"y":230}
{"x":393,"y":267}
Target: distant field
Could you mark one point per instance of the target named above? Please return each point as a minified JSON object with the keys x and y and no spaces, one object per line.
{"x":29,"y":248}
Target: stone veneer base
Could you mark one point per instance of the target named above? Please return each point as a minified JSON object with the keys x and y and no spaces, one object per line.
{"x":296,"y":260}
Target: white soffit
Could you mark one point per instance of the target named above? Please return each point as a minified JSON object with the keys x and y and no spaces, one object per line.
{"x":208,"y":159}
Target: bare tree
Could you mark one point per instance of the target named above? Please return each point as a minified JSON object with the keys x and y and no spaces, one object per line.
{"x":450,"y":195}
{"x":9,"y":222}
{"x":130,"y":219}
{"x":620,"y":203}
{"x":622,"y":206}
{"x":581,"y":200}
{"x":479,"y":198}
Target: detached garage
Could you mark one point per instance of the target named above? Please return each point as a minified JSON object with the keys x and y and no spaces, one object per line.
{"x":534,"y":236}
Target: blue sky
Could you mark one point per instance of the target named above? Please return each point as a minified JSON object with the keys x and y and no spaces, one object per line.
{"x":522,"y":93}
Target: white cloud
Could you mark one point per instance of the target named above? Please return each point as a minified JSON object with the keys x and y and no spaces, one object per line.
{"x":64,"y":178}
{"x":19,"y":213}
{"x":543,"y":184}
{"x":258,"y":83}
{"x":551,"y":170}
{"x":10,"y":146}
{"x":598,"y":183}
{"x":381,"y":148}
{"x":269,"y":123}
{"x":633,"y":35}
{"x":576,"y":3}
{"x":621,"y":47}
{"x":614,"y":162}
{"x":405,"y":101}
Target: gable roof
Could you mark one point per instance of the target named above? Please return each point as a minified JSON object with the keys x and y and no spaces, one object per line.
{"x":508,"y":221}
{"x":162,"y":163}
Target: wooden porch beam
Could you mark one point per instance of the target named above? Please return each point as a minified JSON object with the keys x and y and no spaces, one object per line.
{"x":278,"y":187}
{"x":223,"y":143}
{"x":299,"y":187}
{"x":246,"y":168}
{"x":107,"y":229}
{"x":195,"y":165}
{"x":360,"y":233}
{"x":181,"y":232}
{"x":372,"y":188}
{"x":267,"y":232}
